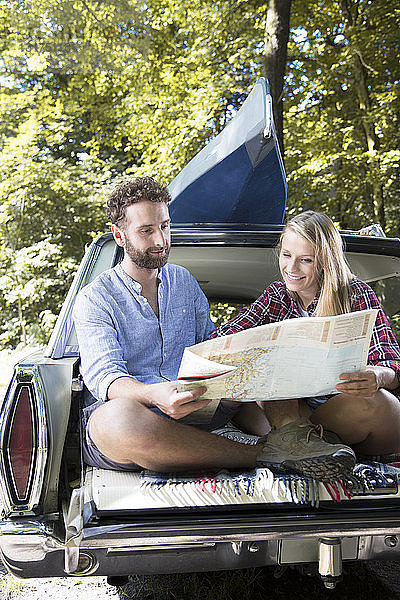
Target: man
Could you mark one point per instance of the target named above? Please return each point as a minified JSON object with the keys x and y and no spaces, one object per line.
{"x":133,"y":323}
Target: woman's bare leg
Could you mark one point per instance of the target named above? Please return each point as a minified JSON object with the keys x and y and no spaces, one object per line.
{"x":280,"y":412}
{"x":369,"y":425}
{"x":251,"y":419}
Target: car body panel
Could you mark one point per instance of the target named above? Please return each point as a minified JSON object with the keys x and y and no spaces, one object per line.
{"x":52,"y":382}
{"x":82,"y":532}
{"x":231,"y":264}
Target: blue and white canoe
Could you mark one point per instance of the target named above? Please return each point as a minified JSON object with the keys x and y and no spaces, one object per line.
{"x":239,"y":176}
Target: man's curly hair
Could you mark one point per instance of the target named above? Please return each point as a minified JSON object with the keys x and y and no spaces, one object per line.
{"x":133,"y":191}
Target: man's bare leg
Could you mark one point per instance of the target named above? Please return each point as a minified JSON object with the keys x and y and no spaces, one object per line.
{"x":126,"y":431}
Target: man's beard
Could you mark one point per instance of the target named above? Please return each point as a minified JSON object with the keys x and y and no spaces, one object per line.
{"x":143,"y":259}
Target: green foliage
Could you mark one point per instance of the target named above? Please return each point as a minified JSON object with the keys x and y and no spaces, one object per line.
{"x":342,"y":112}
{"x":49,"y":206}
{"x":33,"y":283}
{"x":221,"y":312}
{"x":138,"y":87}
{"x":91,"y":92}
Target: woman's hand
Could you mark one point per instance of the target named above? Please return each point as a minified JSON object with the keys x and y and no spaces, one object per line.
{"x":367,"y":383}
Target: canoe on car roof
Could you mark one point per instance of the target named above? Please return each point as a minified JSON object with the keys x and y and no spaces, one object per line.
{"x":239,"y":176}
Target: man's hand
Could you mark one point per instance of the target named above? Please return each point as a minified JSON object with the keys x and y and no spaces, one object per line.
{"x":366,"y":383}
{"x":164,"y":395}
{"x":177,"y":405}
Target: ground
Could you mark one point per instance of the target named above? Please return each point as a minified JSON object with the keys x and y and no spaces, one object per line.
{"x":360,"y":580}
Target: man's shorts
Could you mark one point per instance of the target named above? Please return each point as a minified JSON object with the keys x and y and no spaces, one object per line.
{"x":94,"y":458}
{"x":91,"y":454}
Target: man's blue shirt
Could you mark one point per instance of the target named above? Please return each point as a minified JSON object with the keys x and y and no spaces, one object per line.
{"x":119,"y":335}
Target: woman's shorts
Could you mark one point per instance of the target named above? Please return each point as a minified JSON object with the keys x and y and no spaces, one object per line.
{"x":316,"y":401}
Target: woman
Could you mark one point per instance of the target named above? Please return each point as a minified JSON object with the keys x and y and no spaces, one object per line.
{"x":366,"y":413}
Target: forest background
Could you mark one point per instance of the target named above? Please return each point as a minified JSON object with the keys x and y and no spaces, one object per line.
{"x":95,"y":90}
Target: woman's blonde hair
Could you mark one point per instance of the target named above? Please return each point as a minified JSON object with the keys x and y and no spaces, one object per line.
{"x":334,"y":272}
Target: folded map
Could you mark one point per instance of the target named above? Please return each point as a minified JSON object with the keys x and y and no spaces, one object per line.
{"x":295,"y":358}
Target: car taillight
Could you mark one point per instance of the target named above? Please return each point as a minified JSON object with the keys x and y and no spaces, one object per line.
{"x":21,"y":443}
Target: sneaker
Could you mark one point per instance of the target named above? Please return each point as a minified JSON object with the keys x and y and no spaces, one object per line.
{"x":236,"y":435}
{"x":299,"y":448}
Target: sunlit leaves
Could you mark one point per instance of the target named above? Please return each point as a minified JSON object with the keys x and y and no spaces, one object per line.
{"x":342,"y":111}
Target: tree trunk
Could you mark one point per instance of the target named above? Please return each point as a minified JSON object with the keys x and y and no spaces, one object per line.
{"x":21,"y":321}
{"x":371,"y":139}
{"x":350,"y":12}
{"x":275,"y":56}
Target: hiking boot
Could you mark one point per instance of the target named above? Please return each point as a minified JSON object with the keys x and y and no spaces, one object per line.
{"x":299,"y":448}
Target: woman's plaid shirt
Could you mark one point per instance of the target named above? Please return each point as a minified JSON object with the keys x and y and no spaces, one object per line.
{"x":276,"y":304}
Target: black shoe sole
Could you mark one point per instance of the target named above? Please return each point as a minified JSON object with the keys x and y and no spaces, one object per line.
{"x":323,"y":468}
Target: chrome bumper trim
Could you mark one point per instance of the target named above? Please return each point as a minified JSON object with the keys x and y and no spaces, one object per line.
{"x":27,"y":541}
{"x":31,"y":541}
{"x":143,"y":543}
{"x":25,"y":528}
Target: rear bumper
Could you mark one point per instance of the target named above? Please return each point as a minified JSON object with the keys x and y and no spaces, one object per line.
{"x":32,"y":548}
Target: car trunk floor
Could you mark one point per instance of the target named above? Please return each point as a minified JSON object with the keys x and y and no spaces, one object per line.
{"x":116,"y":491}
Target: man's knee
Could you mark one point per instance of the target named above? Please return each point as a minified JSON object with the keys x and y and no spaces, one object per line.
{"x":118,"y":429}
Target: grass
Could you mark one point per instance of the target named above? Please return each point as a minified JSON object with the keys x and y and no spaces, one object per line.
{"x":360,"y":580}
{"x":10,"y":587}
{"x":57,"y":588}
{"x":245,"y":584}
